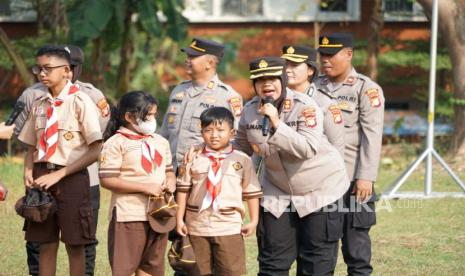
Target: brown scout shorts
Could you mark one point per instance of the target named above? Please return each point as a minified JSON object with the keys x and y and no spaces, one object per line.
{"x":73,"y":221}
{"x":223,"y":254}
{"x":134,"y":245}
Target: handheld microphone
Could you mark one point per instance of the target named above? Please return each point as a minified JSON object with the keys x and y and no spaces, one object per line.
{"x":19,"y":107}
{"x":266,"y":119}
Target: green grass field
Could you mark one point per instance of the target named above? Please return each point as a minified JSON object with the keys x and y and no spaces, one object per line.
{"x":412,"y":237}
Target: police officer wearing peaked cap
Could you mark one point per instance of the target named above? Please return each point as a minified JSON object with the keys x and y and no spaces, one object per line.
{"x":361,"y":101}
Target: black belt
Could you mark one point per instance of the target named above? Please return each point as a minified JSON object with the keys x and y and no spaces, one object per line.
{"x":49,"y":166}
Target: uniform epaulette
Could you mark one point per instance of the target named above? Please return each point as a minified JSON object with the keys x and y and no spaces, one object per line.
{"x":252,"y":101}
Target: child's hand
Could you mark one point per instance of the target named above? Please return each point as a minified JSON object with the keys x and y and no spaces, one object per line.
{"x":248,"y":229}
{"x":169,"y":185}
{"x":181,"y":228}
{"x":193,"y":150}
{"x":48,"y":180}
{"x":152,"y":189}
{"x":28,"y":180}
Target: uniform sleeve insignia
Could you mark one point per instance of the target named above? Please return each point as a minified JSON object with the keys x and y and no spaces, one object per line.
{"x":255,"y":148}
{"x":309,"y":115}
{"x":236,"y":105}
{"x":179,"y":95}
{"x":337,"y":114}
{"x":181,"y":171}
{"x":210,"y":85}
{"x":373,"y":95}
{"x":287,"y":105}
{"x":68,"y":135}
{"x":104,"y":107}
{"x":237,"y":166}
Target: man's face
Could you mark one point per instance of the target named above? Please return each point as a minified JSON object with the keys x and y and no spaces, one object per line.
{"x":196,"y":65}
{"x":217,"y":135}
{"x":335,"y":65}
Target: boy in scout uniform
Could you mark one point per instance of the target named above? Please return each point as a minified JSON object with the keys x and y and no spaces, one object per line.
{"x":362,"y":103}
{"x":63,"y":138}
{"x":302,"y":175}
{"x":301,"y":69}
{"x":211,"y":189}
{"x":181,"y":124}
{"x":31,"y":94}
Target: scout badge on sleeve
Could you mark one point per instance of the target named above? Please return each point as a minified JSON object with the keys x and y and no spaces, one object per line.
{"x":36,"y":205}
{"x":373,"y":95}
{"x":181,"y":254}
{"x":309,"y":115}
{"x":104,"y":107}
{"x":161,"y":212}
{"x":337,"y":114}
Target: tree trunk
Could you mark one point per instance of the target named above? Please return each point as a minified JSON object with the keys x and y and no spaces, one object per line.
{"x":125,"y":53}
{"x":452,"y":29}
{"x":17,"y":60}
{"x":374,"y":28}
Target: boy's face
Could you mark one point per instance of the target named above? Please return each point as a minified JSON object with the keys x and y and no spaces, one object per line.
{"x":217,"y":135}
{"x":52,"y":70}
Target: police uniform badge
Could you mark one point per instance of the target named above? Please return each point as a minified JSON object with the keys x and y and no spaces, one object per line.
{"x":236,"y":105}
{"x":170,"y":119}
{"x":237,"y":166}
{"x":325,"y":41}
{"x":290,"y":50}
{"x":179,"y":95}
{"x":343,"y":105}
{"x":210,"y":85}
{"x":263,"y":64}
{"x":309,"y":115}
{"x":350,"y":80}
{"x":104,"y":107}
{"x":255,"y":148}
{"x":68,"y":135}
{"x":287,"y":105}
{"x":336,"y":112}
{"x":373,"y":95}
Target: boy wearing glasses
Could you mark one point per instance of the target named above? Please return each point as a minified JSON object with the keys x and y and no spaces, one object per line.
{"x":63,"y":138}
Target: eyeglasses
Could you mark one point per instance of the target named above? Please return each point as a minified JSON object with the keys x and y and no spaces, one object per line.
{"x":46,"y":69}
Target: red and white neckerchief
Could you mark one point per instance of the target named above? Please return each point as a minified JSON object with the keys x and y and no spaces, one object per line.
{"x":48,"y":140}
{"x":149,"y":154}
{"x":214,"y":178}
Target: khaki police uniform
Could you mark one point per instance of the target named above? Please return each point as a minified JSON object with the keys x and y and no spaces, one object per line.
{"x":181,"y":124}
{"x":361,"y":101}
{"x":301,"y":173}
{"x":77,"y":128}
{"x":220,"y":230}
{"x":132,"y":243}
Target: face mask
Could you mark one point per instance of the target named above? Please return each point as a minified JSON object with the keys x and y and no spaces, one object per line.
{"x":146,"y":127}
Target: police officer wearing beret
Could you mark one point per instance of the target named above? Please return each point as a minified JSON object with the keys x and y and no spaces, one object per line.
{"x":302,"y":175}
{"x":362,"y":103}
{"x":181,"y":124}
{"x":301,"y":69}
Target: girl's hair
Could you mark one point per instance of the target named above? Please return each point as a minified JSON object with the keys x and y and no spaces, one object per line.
{"x":137,"y":103}
{"x":55,"y":50}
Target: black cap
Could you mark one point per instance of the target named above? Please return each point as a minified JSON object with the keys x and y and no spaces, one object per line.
{"x":333,"y":43}
{"x":76,"y":54}
{"x":300,"y":54}
{"x":200,"y":46}
{"x":266,"y":66}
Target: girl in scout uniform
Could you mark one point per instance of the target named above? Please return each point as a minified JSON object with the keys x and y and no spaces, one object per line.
{"x":210,"y":191}
{"x":301,"y":69}
{"x":135,"y":164}
{"x":63,"y":138}
{"x":302,"y":175}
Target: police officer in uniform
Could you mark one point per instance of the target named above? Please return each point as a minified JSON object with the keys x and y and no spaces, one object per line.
{"x":302,"y":69}
{"x":362,"y":103}
{"x":181,"y":124}
{"x":302,"y":175}
{"x":28,"y":97}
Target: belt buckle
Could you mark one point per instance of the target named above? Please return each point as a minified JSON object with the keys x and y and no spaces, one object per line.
{"x":51,"y":166}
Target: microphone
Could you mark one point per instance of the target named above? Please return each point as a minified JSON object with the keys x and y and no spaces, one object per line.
{"x":266,"y":119}
{"x":19,"y":107}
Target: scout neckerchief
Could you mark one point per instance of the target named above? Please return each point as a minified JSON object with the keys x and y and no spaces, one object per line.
{"x":48,"y":140}
{"x":214,"y":178}
{"x":149,"y":154}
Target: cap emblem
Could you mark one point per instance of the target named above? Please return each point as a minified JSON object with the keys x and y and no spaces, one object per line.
{"x":325,"y":41}
{"x":263,"y":64}
{"x":290,"y":50}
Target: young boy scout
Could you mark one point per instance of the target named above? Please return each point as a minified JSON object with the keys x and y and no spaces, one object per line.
{"x":60,"y":155}
{"x":362,"y":103}
{"x":301,"y":69}
{"x":181,"y":124}
{"x":211,"y":189}
{"x":302,"y":175}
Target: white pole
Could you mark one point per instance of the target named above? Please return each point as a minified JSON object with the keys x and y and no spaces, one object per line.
{"x":432,"y":98}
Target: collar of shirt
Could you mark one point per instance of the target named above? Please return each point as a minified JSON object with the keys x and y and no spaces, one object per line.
{"x":128,"y":131}
{"x":330,"y":87}
{"x":210,"y":85}
{"x":218,"y":153}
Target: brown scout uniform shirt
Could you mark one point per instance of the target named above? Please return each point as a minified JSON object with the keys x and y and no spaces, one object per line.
{"x":300,"y":165}
{"x":121,"y":157}
{"x":333,"y":125}
{"x":34,"y":92}
{"x":362,"y":103}
{"x":239,"y":183}
{"x":77,"y":127}
{"x":181,"y":124}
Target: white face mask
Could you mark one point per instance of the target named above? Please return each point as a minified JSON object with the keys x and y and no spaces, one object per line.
{"x":146,"y":127}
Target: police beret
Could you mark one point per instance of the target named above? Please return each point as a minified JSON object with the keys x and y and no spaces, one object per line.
{"x":266,"y":66}
{"x":76,"y":54}
{"x":333,"y":43}
{"x":200,"y":46}
{"x":300,"y":54}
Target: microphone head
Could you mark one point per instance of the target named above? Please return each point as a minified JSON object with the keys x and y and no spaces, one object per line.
{"x":268,"y":99}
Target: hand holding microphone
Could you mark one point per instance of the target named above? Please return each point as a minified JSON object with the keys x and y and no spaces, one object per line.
{"x":270,"y":114}
{"x":6,"y":129}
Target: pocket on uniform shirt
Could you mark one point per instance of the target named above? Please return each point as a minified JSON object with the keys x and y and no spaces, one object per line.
{"x":171,"y":120}
{"x":348,"y":113}
{"x":40,"y":123}
{"x":195,"y":125}
{"x":87,"y":224}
